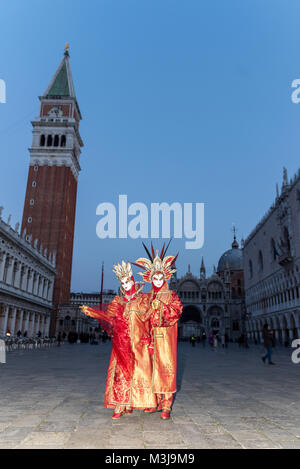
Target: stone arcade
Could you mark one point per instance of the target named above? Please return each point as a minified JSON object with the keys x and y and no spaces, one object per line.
{"x":26,"y":284}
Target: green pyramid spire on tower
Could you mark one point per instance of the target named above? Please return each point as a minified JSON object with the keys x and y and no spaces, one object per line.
{"x":60,"y":87}
{"x":62,"y":82}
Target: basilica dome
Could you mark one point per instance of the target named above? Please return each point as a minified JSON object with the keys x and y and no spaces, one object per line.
{"x":231,"y":259}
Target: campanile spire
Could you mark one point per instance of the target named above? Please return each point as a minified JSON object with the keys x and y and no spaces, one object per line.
{"x":50,"y":200}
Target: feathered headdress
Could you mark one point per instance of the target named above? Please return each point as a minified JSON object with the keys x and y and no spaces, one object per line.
{"x":123,"y":270}
{"x":156,"y":263}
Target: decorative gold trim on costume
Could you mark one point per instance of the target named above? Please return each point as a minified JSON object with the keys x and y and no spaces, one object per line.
{"x":131,"y":342}
{"x":122,"y":270}
{"x":157,"y":265}
{"x":160,"y":314}
{"x":153,"y":362}
{"x":112,"y":380}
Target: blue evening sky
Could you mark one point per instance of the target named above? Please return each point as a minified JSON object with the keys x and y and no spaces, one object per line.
{"x":182,"y":101}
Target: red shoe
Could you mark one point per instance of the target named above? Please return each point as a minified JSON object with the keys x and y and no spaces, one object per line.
{"x":165,"y":415}
{"x":151,"y":410}
{"x":117,"y":415}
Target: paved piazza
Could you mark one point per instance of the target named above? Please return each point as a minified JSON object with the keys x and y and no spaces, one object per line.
{"x":53,"y":398}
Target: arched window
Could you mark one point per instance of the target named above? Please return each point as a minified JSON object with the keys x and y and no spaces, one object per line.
{"x":63,"y":141}
{"x":260,"y":262}
{"x":215,"y":323}
{"x":67,"y":321}
{"x":42,"y":140}
{"x":56,"y":140}
{"x":49,"y":141}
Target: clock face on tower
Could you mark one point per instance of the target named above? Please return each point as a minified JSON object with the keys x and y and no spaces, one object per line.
{"x":55,"y":112}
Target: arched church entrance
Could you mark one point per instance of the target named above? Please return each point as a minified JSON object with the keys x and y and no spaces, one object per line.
{"x":190,"y":322}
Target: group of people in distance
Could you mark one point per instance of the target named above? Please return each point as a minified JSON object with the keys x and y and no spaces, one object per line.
{"x":142,"y":368}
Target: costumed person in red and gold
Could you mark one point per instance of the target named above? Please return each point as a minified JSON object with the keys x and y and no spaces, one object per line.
{"x":126,"y":319}
{"x":166,"y":308}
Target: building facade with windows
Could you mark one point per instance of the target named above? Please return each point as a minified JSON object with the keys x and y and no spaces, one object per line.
{"x":27,"y":276}
{"x":272,"y":267}
{"x":216,"y":303}
{"x":70,"y":316}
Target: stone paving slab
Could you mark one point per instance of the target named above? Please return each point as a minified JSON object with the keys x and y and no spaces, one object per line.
{"x":53,"y":398}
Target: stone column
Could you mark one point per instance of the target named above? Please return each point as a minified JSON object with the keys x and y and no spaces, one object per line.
{"x":26,"y":323}
{"x":13,"y":320}
{"x":20,"y":322}
{"x":40,"y":287}
{"x":43,"y":326}
{"x":32,"y":328}
{"x":10,"y":271}
{"x":291,"y":334}
{"x":38,"y":323}
{"x":50,"y":293}
{"x":18,"y":275}
{"x":45,"y":289}
{"x":34,"y":282}
{"x":36,"y":285}
{"x":4,"y":320}
{"x":30,"y":283}
{"x":47,"y":326}
{"x":3,"y":256}
{"x":24,"y":280}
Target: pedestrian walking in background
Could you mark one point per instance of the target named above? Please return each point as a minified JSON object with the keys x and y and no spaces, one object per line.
{"x":268,"y":344}
{"x":203,"y":339}
{"x":211,"y":340}
{"x":215,"y":342}
{"x":193,"y":340}
{"x":223,"y":340}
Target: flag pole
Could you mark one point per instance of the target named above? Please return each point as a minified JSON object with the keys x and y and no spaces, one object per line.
{"x":101,"y":290}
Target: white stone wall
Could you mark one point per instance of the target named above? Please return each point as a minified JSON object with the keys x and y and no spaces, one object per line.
{"x":26,"y":285}
{"x":273,"y":288}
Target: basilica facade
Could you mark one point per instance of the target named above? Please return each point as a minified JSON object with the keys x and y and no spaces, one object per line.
{"x":215,"y":303}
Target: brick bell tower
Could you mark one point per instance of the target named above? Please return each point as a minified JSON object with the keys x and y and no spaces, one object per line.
{"x":50,"y":200}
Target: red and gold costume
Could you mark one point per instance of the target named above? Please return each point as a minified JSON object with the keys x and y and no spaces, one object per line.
{"x":129,"y":377}
{"x":166,"y":308}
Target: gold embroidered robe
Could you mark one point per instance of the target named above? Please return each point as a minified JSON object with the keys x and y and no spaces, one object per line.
{"x":133,"y":326}
{"x":164,"y":332}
